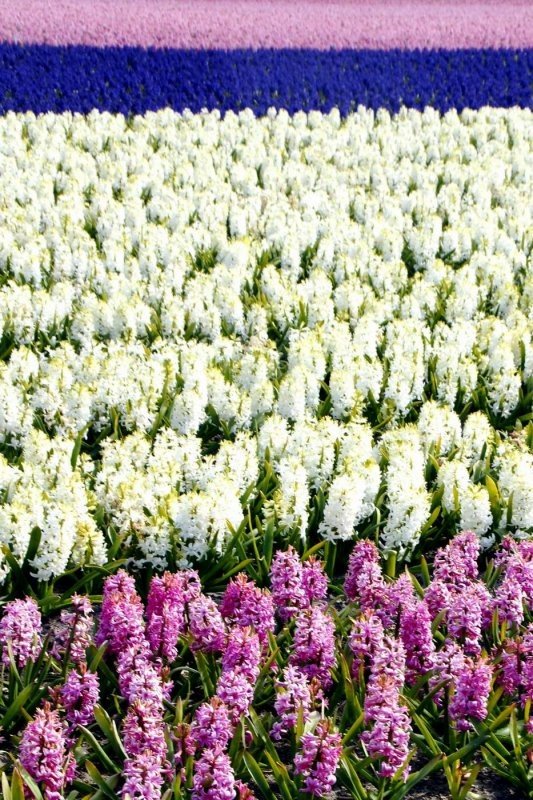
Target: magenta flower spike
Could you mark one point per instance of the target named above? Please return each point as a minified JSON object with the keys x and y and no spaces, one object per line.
{"x":314,"y":580}
{"x":286,"y":576}
{"x":244,"y":604}
{"x":472,"y":685}
{"x":212,"y":725}
{"x":121,"y":617}
{"x":79,"y":695}
{"x":293,"y":696}
{"x":165,"y":614}
{"x":143,"y":777}
{"x":20,"y":629}
{"x":213,"y":776}
{"x":314,"y":645}
{"x":417,"y":638}
{"x":366,"y":637}
{"x":319,"y":758}
{"x":242,"y":653}
{"x":206,"y":626}
{"x":44,"y":753}
{"x":74,"y":631}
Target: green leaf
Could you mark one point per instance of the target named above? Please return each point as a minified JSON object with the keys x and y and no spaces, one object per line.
{"x":98,"y":750}
{"x":16,"y":705}
{"x":257,"y":774}
{"x":106,"y":785}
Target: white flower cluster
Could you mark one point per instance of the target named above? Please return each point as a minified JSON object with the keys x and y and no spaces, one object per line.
{"x":185,"y":299}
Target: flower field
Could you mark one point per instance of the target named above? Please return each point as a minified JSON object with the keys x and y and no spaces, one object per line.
{"x":266,"y":400}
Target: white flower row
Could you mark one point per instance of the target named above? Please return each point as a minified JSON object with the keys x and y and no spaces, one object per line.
{"x":188,"y":297}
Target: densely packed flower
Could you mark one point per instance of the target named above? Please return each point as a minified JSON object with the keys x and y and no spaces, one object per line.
{"x":190,"y":303}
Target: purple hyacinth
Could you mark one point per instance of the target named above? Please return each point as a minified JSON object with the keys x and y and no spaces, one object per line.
{"x":456,"y":564}
{"x":213,"y":776}
{"x":206,"y":626}
{"x":466,"y":615}
{"x":314,"y":580}
{"x":516,"y":559}
{"x":73,"y":633}
{"x":449,"y":661}
{"x":143,"y":730}
{"x":139,"y":678}
{"x":121,"y":617}
{"x":165,"y":614}
{"x":212,"y":725}
{"x":288,"y":591}
{"x":294,"y":696}
{"x":509,"y":600}
{"x":246,"y":605}
{"x":235,"y":690}
{"x":366,"y":636}
{"x":388,"y":738}
{"x":417,"y":638}
{"x":397,"y":596}
{"x":242,"y":653}
{"x":243,"y":791}
{"x":44,"y":753}
{"x":20,"y":629}
{"x":388,"y":660}
{"x":314,"y":645}
{"x":79,"y":695}
{"x":143,"y":777}
{"x":318,"y":759}
{"x":364,"y":582}
{"x":472,"y":685}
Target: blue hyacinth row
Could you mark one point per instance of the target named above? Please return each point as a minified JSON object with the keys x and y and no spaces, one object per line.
{"x":134,"y":80}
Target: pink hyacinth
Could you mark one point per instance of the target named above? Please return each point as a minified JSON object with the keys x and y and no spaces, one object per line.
{"x":388,"y":659}
{"x":366,"y":636}
{"x":20,"y":629}
{"x":396,"y":596}
{"x":206,"y":626}
{"x":165,"y":614}
{"x":472,"y":686}
{"x":44,"y":754}
{"x":74,"y":632}
{"x":244,"y":604}
{"x":288,"y":591}
{"x":143,"y":777}
{"x":294,"y":696}
{"x":314,"y":580}
{"x":79,"y":695}
{"x":212,"y":725}
{"x":213,"y":777}
{"x":364,"y":581}
{"x":516,"y":558}
{"x":417,"y":638}
{"x":388,"y":738}
{"x":143,"y":730}
{"x":456,"y":564}
{"x":449,"y":661}
{"x":466,"y":616}
{"x":318,"y":759}
{"x":243,"y":791}
{"x":235,"y":690}
{"x":121,"y":617}
{"x":509,"y":600}
{"x":314,"y":645}
{"x":242,"y":653}
{"x":139,"y":678}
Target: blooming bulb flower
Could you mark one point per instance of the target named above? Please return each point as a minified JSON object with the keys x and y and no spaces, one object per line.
{"x":417,"y":638}
{"x":242,"y":653}
{"x":206,"y":625}
{"x":293,"y":696}
{"x":79,"y":694}
{"x":388,"y":738}
{"x":314,"y":580}
{"x":213,"y":777}
{"x":472,"y":688}
{"x":121,"y":616}
{"x":288,"y":592}
{"x":143,"y":777}
{"x":165,"y":614}
{"x":143,"y":730}
{"x":366,"y":637}
{"x":236,"y":691}
{"x":245,"y":605}
{"x":314,"y":645}
{"x":318,"y":759}
{"x":212,"y":725}
{"x":21,"y":627}
{"x":43,"y":752}
{"x":74,"y":631}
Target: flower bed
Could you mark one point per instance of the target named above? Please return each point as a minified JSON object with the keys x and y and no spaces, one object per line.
{"x":293,"y":328}
{"x":275,"y":693}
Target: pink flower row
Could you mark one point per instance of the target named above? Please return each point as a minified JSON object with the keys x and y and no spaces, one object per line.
{"x":229,"y":24}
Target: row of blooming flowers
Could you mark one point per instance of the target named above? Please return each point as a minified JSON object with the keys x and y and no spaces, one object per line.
{"x":274,"y":692}
{"x":315,"y":323}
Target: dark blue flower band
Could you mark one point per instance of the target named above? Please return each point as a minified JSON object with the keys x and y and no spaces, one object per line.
{"x":133,"y":80}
